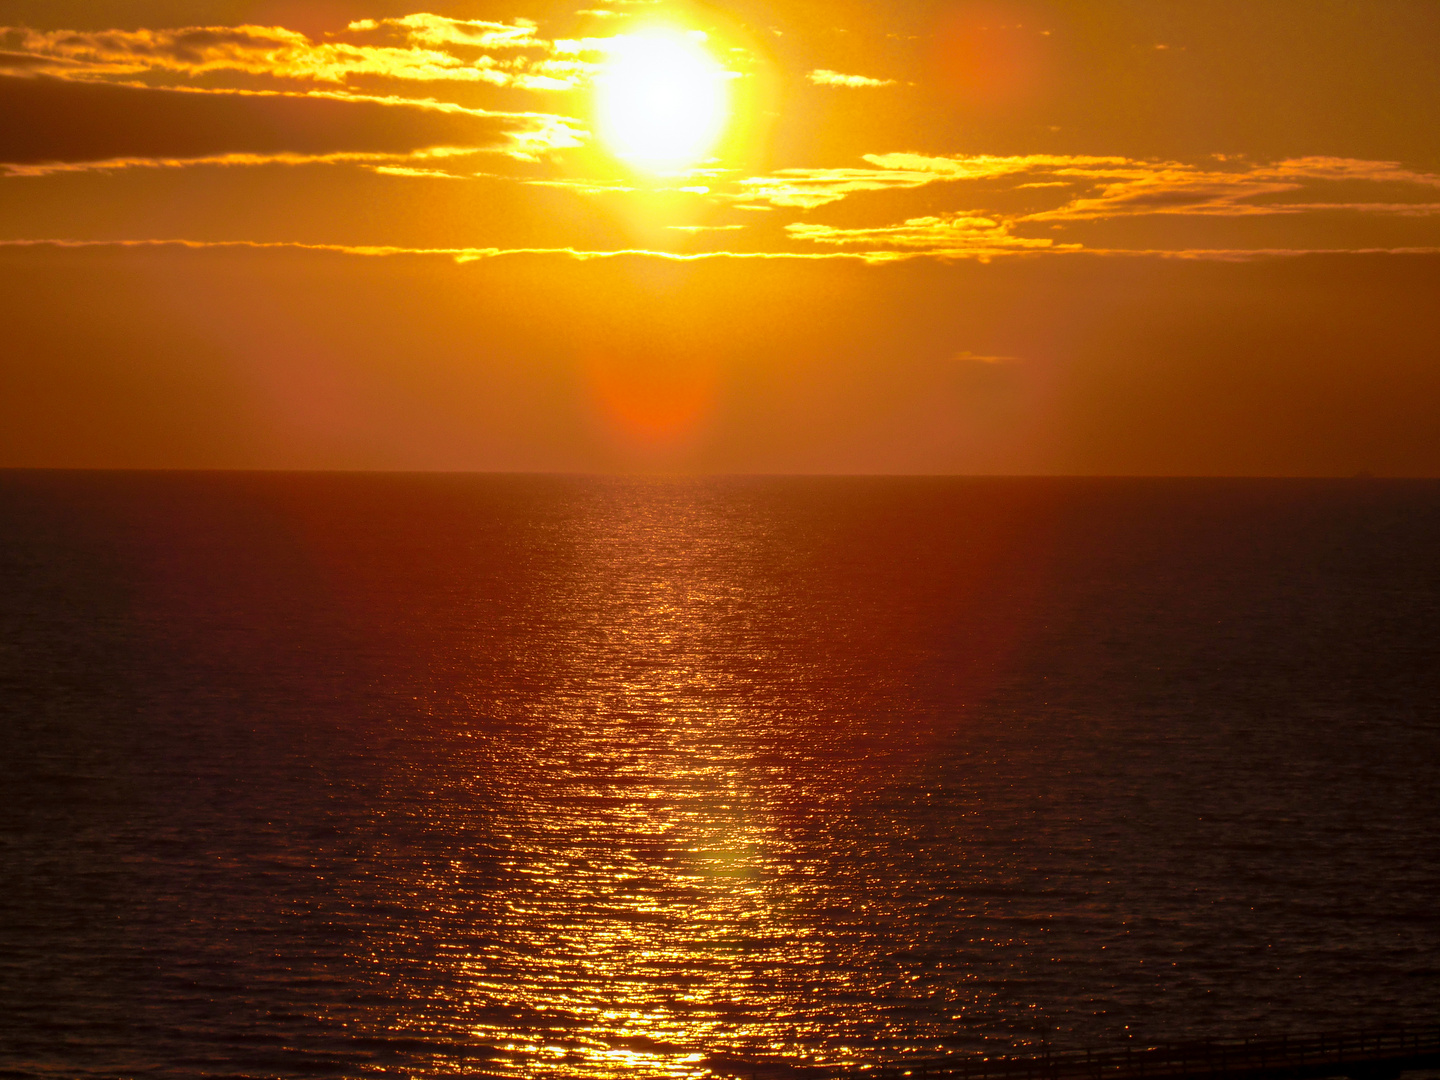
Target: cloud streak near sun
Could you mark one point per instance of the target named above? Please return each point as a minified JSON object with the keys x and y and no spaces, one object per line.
{"x":417,"y":48}
{"x":1104,"y":187}
{"x":826,"y":77}
{"x":1070,"y":189}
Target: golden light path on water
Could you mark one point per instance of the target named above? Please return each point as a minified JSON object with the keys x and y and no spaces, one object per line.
{"x":654,"y":797}
{"x":640,"y":878}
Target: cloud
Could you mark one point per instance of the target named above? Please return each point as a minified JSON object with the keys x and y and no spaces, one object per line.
{"x":51,"y":122}
{"x":404,"y":170}
{"x":969,"y":357}
{"x":968,"y":235}
{"x":387,"y":164}
{"x":584,"y":187}
{"x":1115,"y":186}
{"x":416,"y":48}
{"x":984,"y":166}
{"x":438,"y":30}
{"x":465,"y":255}
{"x":1073,"y":188}
{"x":826,"y":77}
{"x":1141,"y":188}
{"x":1254,"y":254}
{"x":459,"y":255}
{"x":809,"y":188}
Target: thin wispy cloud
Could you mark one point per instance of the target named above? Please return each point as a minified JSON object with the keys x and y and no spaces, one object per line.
{"x":968,"y":357}
{"x":584,"y":187}
{"x":388,"y":164}
{"x":1293,"y":186}
{"x":1063,"y":189}
{"x":1103,"y":187}
{"x":416,"y":48}
{"x":457,"y":254}
{"x":973,"y":235}
{"x":423,"y":174}
{"x":826,"y":77}
{"x":872,"y":257}
{"x":427,"y":29}
{"x":810,"y":188}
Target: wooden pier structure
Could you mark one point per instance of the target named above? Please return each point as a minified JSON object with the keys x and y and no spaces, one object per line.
{"x":1381,"y":1054}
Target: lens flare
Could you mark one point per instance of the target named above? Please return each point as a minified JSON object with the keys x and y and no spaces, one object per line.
{"x":662,"y":100}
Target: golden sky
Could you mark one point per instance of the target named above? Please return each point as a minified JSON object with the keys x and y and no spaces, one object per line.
{"x":768,"y":235}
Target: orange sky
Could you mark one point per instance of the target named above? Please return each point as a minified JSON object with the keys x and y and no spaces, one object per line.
{"x":992,"y":236}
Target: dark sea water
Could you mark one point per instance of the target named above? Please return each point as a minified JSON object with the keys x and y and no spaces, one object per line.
{"x":535,"y":776}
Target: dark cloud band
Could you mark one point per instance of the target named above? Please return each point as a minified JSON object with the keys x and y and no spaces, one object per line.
{"x":54,"y":120}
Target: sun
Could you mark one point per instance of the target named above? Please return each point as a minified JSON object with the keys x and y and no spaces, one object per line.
{"x":661,"y":100}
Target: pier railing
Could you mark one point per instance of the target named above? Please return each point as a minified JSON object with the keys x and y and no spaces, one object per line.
{"x":1361,"y":1055}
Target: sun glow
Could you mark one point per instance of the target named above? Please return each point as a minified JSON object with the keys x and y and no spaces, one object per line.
{"x":662,"y":100}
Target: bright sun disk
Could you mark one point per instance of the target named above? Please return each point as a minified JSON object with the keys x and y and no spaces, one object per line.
{"x":661,"y":100}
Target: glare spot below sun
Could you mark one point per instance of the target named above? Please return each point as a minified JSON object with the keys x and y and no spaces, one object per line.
{"x":661,"y":100}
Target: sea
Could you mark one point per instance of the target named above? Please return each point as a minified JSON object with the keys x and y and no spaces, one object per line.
{"x":430,"y":775}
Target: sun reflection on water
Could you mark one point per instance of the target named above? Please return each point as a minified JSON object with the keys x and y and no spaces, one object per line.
{"x":639,"y":881}
{"x":668,"y":867}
